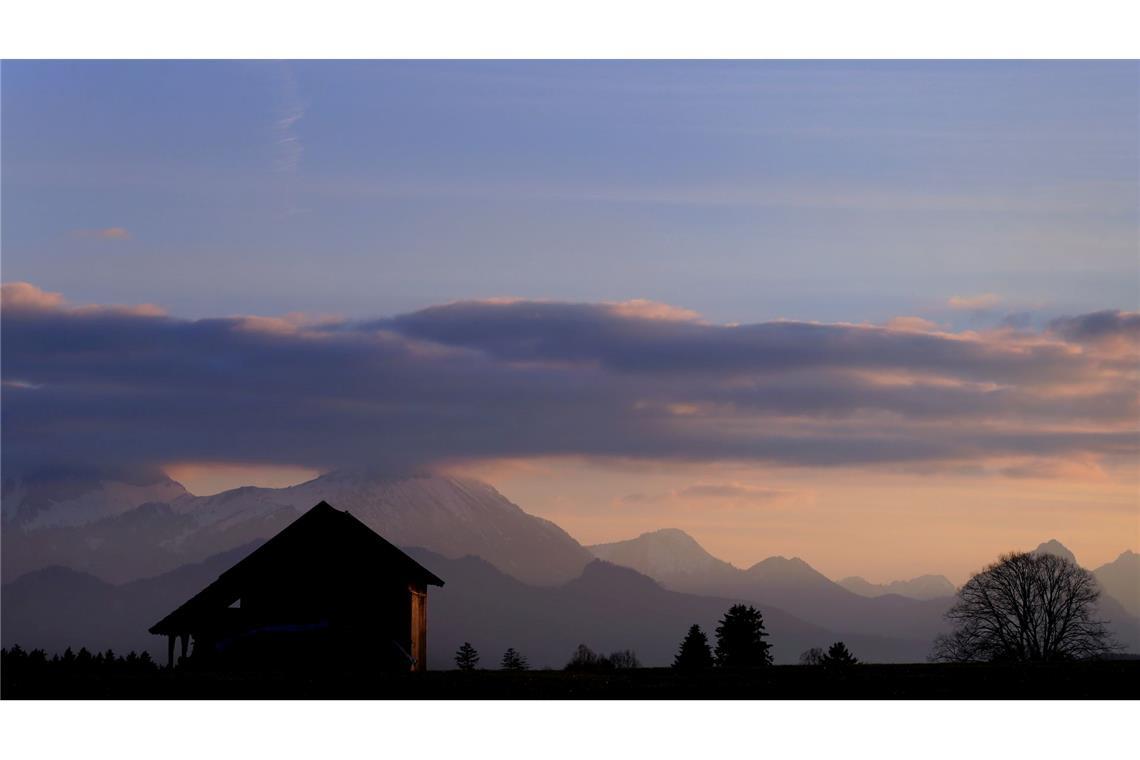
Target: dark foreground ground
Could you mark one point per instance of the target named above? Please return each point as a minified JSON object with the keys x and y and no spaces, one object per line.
{"x":1092,"y":680}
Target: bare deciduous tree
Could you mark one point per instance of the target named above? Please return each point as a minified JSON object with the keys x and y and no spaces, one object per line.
{"x":1026,"y":607}
{"x":813,"y":656}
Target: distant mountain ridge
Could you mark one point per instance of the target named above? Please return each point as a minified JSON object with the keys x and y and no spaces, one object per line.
{"x":606,"y":607}
{"x":126,"y":540}
{"x":1121,"y":579}
{"x":1057,"y":549}
{"x":131,"y":536}
{"x":681,"y":564}
{"x":669,"y":555}
{"x":922,"y":587}
{"x":76,"y":498}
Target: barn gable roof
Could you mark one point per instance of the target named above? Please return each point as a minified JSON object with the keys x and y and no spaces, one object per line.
{"x":322,"y":531}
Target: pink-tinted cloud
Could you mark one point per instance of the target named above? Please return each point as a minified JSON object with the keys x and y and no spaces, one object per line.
{"x":730,"y":491}
{"x":914,"y":324}
{"x":22,"y":296}
{"x":975,"y":302}
{"x":106,"y":233}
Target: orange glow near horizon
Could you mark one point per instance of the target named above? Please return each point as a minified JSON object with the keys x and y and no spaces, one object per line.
{"x":882,"y":525}
{"x":209,"y":478}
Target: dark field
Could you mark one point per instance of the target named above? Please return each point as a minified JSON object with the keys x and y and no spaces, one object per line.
{"x":1092,"y":680}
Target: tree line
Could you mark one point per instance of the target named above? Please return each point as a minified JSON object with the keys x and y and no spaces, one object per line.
{"x":1026,"y":607}
{"x":740,"y":644}
{"x":17,"y":661}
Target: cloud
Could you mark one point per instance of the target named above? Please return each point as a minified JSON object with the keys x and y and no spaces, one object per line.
{"x":595,"y":334}
{"x":974,"y":303}
{"x":729,"y":491}
{"x":1100,"y":327}
{"x":705,"y":496}
{"x":23,"y":296}
{"x":914,"y":324}
{"x":291,"y":109}
{"x":131,"y":386}
{"x":1076,"y":468}
{"x":107,"y":233}
{"x":640,"y":308}
{"x":18,"y":297}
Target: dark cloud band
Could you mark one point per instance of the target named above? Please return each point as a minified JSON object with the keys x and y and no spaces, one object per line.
{"x":129,"y":387}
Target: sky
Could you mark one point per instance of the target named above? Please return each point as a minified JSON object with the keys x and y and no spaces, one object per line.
{"x":882,"y":316}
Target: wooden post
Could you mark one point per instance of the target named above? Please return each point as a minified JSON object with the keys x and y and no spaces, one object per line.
{"x":170,"y":651}
{"x":419,"y":626}
{"x":185,"y":644}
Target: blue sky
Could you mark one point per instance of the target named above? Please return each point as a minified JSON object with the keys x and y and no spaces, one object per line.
{"x":743,"y":191}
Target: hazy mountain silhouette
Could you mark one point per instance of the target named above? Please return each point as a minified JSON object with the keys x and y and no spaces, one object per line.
{"x":175,"y":545}
{"x":788,"y":584}
{"x":1057,"y":549}
{"x":77,"y":497}
{"x":56,"y":607}
{"x":452,"y":516}
{"x":922,"y":587}
{"x":608,"y":607}
{"x":670,"y":556}
{"x":1120,"y":576}
{"x":1121,"y":580}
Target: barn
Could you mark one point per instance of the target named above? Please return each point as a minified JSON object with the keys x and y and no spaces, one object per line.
{"x":326,"y":592}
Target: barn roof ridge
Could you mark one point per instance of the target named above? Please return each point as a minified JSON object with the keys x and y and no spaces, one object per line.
{"x":347,"y":526}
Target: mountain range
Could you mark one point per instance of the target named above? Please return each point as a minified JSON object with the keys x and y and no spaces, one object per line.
{"x":922,"y":587}
{"x":95,"y":562}
{"x":676,"y":560}
{"x":133,"y":533}
{"x":607,"y":607}
{"x":1119,"y":580}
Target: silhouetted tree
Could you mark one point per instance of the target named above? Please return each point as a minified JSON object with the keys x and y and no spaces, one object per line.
{"x":585,"y":658}
{"x":1026,"y":607}
{"x":838,"y":657}
{"x":813,"y":656}
{"x":512,"y":660}
{"x":740,"y":639}
{"x":466,"y":658}
{"x":695,"y":653}
{"x":624,"y":659}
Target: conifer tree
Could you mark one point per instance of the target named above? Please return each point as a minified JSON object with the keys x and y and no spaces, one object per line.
{"x":838,"y":656}
{"x":740,"y":639}
{"x":695,"y":653}
{"x":466,"y":658}
{"x":512,"y":660}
